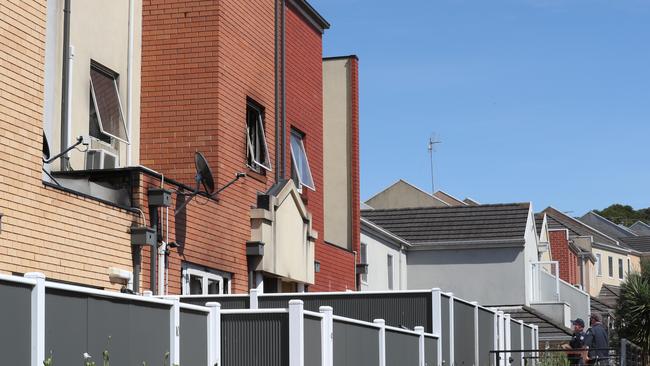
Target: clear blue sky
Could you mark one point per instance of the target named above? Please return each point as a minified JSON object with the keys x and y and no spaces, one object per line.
{"x":535,"y":100}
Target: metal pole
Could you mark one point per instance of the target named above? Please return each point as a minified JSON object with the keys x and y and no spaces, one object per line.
{"x":623,"y":353}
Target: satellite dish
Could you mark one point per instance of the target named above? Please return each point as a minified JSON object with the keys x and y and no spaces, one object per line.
{"x":204,"y":178}
{"x":203,"y":174}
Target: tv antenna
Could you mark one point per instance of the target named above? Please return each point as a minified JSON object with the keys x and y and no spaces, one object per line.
{"x":204,"y":178}
{"x":433,"y":141}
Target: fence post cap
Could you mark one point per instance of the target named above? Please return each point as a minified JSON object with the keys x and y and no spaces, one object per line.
{"x":324,"y":309}
{"x":253,"y":291}
{"x":419,"y":329}
{"x":379,"y":321}
{"x":147,"y":293}
{"x":213,"y":304}
{"x":475,"y":303}
{"x":37,"y":275}
{"x":295,"y":302}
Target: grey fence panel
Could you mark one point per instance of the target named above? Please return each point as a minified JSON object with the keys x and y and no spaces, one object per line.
{"x":397,"y":309}
{"x":355,"y":345}
{"x":528,"y":341}
{"x":255,"y":339}
{"x":312,"y":340}
{"x":430,"y":351}
{"x":578,"y":300}
{"x":402,"y":349}
{"x":485,"y":337}
{"x":66,"y":327}
{"x":227,"y":302}
{"x":15,"y":320}
{"x":445,"y":325}
{"x":464,"y":350}
{"x":132,"y":332}
{"x":515,"y":343}
{"x":193,"y":338}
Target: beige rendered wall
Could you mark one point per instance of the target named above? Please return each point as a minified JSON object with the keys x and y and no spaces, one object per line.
{"x":403,"y":195}
{"x":605,"y":278}
{"x":99,"y":31}
{"x":336,"y":152}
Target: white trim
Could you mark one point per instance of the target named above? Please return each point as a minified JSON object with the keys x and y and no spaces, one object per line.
{"x":254,"y":311}
{"x":401,"y":330}
{"x":354,"y":321}
{"x":203,"y":309}
{"x":103,"y":293}
{"x":327,"y":336}
{"x":296,"y":333}
{"x":174,"y":333}
{"x":451,"y":329}
{"x":476,"y":334}
{"x":381,"y":324}
{"x":205,"y":276}
{"x":421,"y":359}
{"x":251,"y":151}
{"x":507,"y":337}
{"x":253,"y":301}
{"x":214,"y":333}
{"x":37,"y":318}
{"x":293,"y":159}
{"x":119,"y":103}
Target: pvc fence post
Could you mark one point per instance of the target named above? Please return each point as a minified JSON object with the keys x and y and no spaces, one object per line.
{"x":327,"y":336}
{"x":476,"y":334}
{"x":174,"y":332}
{"x":296,"y":333}
{"x":382,"y":340}
{"x":436,"y":319}
{"x":502,"y":339}
{"x":214,"y":334}
{"x":507,"y":339}
{"x":37,"y":318}
{"x":451,"y":330}
{"x":253,"y":299}
{"x":420,"y":331}
{"x":521,"y":343}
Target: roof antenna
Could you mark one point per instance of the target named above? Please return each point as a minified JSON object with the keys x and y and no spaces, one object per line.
{"x":433,"y":141}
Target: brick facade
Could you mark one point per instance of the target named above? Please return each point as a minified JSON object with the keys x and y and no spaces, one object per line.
{"x":66,"y":236}
{"x":567,"y":259}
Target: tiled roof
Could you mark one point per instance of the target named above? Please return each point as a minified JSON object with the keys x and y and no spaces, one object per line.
{"x":638,"y":243}
{"x":549,"y":330}
{"x":557,"y":219}
{"x":466,"y":224}
{"x":641,"y":228}
{"x":606,"y":226}
{"x":609,"y":295}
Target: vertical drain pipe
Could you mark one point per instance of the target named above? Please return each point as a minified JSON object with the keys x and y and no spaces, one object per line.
{"x":129,"y":84}
{"x":65,"y":85}
{"x":153,"y":259}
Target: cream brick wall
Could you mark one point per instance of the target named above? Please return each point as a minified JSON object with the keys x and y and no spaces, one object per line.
{"x":67,"y":237}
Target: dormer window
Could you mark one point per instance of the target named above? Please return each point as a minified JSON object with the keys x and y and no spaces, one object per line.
{"x":300,"y":171}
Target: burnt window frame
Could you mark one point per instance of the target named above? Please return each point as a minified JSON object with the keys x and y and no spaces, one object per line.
{"x":260,"y":166}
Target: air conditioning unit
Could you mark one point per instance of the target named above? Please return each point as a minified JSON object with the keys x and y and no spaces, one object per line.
{"x":100,"y":159}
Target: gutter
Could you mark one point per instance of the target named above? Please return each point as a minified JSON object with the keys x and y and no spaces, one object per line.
{"x":384,"y":232}
{"x":470,"y":244}
{"x":65,"y":85}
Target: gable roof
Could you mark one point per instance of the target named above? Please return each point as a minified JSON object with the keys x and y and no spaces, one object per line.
{"x":539,"y":222}
{"x":398,"y":188}
{"x":638,"y":243}
{"x":449,"y":199}
{"x":499,"y":225}
{"x":606,"y":226}
{"x":641,"y":228}
{"x":471,"y":202}
{"x":576,"y":228}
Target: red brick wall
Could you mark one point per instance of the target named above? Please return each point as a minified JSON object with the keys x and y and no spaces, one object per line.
{"x":304,"y":110}
{"x":201,"y":60}
{"x":567,"y":259}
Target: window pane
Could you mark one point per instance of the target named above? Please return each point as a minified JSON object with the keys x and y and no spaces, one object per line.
{"x":390,"y":272}
{"x":610,"y":265}
{"x":107,"y":104}
{"x":620,"y":268}
{"x":300,"y":162}
{"x":214,"y":287}
{"x":364,"y":260}
{"x":196,"y":285}
{"x":257,"y":150}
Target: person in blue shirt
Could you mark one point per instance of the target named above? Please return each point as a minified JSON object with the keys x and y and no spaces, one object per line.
{"x":576,"y":348}
{"x":597,"y":339}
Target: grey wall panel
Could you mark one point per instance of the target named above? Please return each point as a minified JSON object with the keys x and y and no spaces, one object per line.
{"x":486,"y":336}
{"x":430,"y":351}
{"x":355,"y":345}
{"x":149,"y":329}
{"x":15,"y":323}
{"x":402,"y":349}
{"x":515,"y":343}
{"x":312,"y":341}
{"x":445,"y":325}
{"x":255,"y":339}
{"x":66,"y":324}
{"x":464,"y":350}
{"x":227,"y":302}
{"x":193,"y":338}
{"x":397,"y":309}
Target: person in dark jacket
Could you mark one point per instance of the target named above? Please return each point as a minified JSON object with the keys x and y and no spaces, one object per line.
{"x":597,"y":340}
{"x":576,"y":349}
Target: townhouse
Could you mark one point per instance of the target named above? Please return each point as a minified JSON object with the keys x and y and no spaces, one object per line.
{"x":105,"y":108}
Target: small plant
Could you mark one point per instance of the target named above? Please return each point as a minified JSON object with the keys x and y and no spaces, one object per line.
{"x":88,"y":360}
{"x":554,"y":359}
{"x":49,"y":361}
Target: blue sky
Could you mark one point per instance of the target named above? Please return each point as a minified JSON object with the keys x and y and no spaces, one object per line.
{"x":535,"y":100}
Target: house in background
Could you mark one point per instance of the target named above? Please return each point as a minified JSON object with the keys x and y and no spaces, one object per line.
{"x":640,"y":228}
{"x":544,"y":245}
{"x":489,"y":253}
{"x":403,"y":194}
{"x":638,"y":243}
{"x":612,"y":259}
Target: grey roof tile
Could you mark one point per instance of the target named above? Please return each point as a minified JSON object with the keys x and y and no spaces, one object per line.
{"x":638,"y":243}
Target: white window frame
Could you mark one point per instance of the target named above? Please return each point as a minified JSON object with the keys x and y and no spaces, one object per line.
{"x":300,"y":139}
{"x":205,"y":277}
{"x":599,"y":265}
{"x":364,"y":276}
{"x":119,"y":102}
{"x":390,"y":269}
{"x":266,"y":165}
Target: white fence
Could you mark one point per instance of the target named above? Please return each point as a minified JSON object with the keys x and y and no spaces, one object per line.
{"x":548,"y":287}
